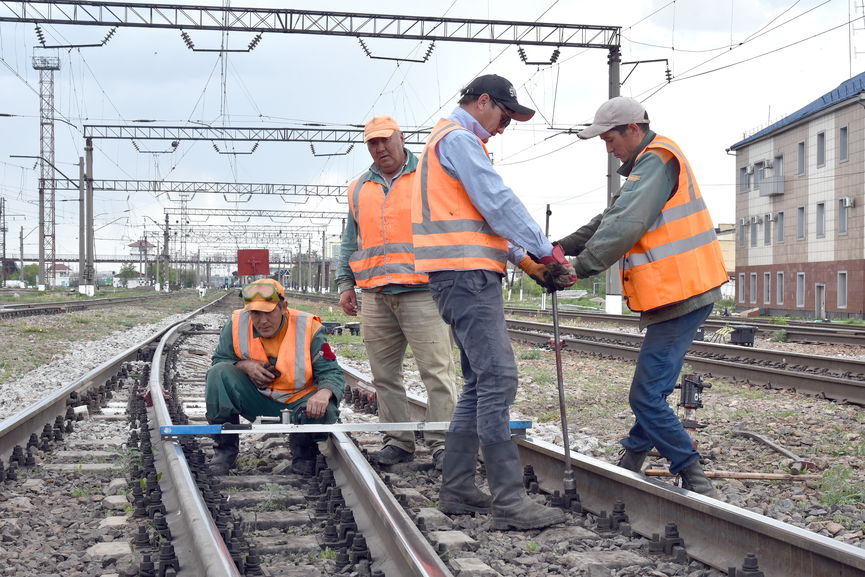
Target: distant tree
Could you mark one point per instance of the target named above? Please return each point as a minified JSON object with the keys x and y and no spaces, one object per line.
{"x":127,"y":271}
{"x":31,"y":273}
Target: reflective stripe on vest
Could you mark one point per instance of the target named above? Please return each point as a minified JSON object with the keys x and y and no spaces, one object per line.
{"x":679,"y":256}
{"x":384,"y":254}
{"x":294,"y":361}
{"x":448,"y":231}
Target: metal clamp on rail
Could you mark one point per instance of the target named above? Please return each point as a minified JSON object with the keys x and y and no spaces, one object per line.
{"x":231,"y":429}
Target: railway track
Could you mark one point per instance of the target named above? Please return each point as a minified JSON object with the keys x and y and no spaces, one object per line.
{"x":19,"y":310}
{"x":831,"y":377}
{"x":265,"y":517}
{"x":790,"y":330}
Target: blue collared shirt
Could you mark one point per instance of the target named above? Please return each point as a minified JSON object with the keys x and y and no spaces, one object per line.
{"x":463,"y":157}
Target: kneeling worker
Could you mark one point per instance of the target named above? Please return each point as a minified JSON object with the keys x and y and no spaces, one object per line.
{"x":270,"y":358}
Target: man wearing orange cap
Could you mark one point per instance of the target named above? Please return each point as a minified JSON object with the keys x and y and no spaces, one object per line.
{"x":271,"y":358}
{"x":376,"y":255}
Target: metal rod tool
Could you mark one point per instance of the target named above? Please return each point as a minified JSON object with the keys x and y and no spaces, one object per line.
{"x":569,"y":483}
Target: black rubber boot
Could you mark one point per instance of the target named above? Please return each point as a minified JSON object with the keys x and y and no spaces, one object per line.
{"x":458,"y":494}
{"x":225,"y":450}
{"x":512,"y":508}
{"x":632,"y":460}
{"x":694,"y":479}
{"x":304,"y":450}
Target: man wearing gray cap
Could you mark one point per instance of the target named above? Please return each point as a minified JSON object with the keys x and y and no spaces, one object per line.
{"x":671,"y":269}
{"x":463,"y":218}
{"x":397,"y":309}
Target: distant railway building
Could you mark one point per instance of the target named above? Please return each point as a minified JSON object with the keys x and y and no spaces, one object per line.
{"x":800,"y":210}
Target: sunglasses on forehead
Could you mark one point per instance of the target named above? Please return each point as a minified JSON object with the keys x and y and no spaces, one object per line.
{"x":264,"y":291}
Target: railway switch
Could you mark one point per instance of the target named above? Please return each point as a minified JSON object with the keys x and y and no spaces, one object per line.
{"x":692,"y":399}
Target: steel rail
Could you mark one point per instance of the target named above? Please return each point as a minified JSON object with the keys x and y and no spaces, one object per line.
{"x":390,"y":533}
{"x":796,"y":331}
{"x":196,"y":538}
{"x":16,"y":429}
{"x":715,"y":532}
{"x":828,"y":386}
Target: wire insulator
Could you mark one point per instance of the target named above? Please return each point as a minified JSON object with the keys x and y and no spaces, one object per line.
{"x":254,"y":42}
{"x":555,"y":56}
{"x":187,"y":39}
{"x":522,"y":54}
{"x":669,"y":74}
{"x":109,"y":35}
{"x":40,"y":35}
{"x":363,"y":46}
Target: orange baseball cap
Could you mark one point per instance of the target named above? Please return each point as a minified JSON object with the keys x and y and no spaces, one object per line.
{"x":262,"y":295}
{"x":379,"y":127}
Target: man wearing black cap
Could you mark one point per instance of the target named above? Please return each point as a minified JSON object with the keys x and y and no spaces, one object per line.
{"x":464,"y":218}
{"x":658,"y":227}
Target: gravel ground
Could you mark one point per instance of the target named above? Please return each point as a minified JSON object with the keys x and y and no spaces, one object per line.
{"x":829,"y":435}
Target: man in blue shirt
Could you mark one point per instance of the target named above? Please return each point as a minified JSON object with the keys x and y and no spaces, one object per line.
{"x":465,"y":223}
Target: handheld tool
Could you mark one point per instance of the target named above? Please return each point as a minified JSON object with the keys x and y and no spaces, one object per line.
{"x":569,"y":482}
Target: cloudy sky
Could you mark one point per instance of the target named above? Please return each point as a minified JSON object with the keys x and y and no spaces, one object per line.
{"x":736,"y":67}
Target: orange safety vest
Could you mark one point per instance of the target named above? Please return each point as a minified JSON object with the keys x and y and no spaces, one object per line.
{"x":384,"y":250}
{"x":294,"y":360}
{"x":679,"y":256}
{"x":448,"y":231}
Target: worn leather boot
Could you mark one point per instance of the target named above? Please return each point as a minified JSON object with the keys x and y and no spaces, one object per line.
{"x":512,"y":508}
{"x":632,"y":460}
{"x":694,"y":479}
{"x":225,"y":450}
{"x":458,"y":494}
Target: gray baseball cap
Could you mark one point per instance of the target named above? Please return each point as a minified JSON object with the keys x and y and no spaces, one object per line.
{"x":615,"y":112}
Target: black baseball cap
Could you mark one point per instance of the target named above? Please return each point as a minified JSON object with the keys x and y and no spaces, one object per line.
{"x":500,"y":90}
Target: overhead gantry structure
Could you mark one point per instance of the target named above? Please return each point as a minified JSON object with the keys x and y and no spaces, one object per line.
{"x":291,"y":21}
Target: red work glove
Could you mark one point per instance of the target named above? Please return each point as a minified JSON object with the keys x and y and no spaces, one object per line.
{"x":561,"y":273}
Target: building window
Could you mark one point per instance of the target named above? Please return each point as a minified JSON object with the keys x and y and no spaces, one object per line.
{"x":758,"y":174}
{"x":767,"y":229}
{"x":800,"y":289}
{"x":767,"y":288}
{"x":753,"y":231}
{"x":821,"y":148}
{"x":778,"y":166}
{"x":779,"y":227}
{"x":842,"y":144}
{"x":743,"y":230}
{"x":744,"y":179}
{"x":741,"y":287}
{"x":800,"y":223}
{"x":842,"y":215}
{"x":821,"y":220}
{"x":842,"y":289}
{"x":752,"y":288}
{"x":802,"y":160}
{"x":779,"y":288}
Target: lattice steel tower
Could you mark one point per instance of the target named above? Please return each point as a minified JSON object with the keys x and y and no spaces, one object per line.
{"x":46,"y":65}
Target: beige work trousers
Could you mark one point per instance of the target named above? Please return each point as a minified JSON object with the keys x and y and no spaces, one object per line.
{"x":390,"y":323}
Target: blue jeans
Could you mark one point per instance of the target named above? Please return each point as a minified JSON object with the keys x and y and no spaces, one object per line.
{"x":471,"y":303}
{"x":658,"y":366}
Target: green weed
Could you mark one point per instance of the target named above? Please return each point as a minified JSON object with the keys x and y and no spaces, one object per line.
{"x":838,"y":488}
